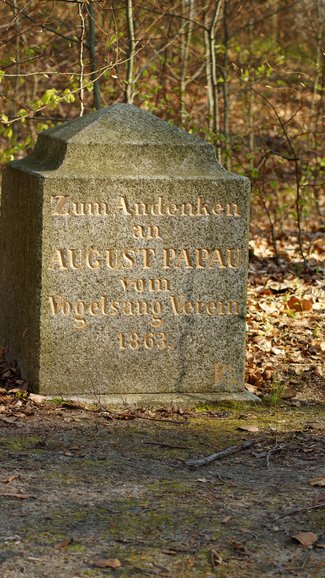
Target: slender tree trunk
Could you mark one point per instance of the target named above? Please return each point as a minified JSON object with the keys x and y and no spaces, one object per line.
{"x":81,"y":56}
{"x":92,"y":55}
{"x":251,"y":99}
{"x":211,"y":69}
{"x":129,"y":90}
{"x":208,"y":74}
{"x":186,"y":35}
{"x":17,"y":60}
{"x":227,"y":158}
{"x":316,"y":101}
{"x":161,"y":93}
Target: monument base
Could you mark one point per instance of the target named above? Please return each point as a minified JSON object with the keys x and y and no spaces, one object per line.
{"x":183,"y":400}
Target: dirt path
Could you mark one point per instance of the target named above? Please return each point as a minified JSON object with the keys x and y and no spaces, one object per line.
{"x":77,"y":487}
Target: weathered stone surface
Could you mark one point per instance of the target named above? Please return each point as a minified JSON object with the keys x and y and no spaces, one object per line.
{"x":124,"y":262}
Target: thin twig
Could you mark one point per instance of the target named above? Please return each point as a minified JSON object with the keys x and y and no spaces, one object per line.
{"x":81,"y":58}
{"x":221,"y":454}
{"x":162,"y":445}
{"x":293,"y":512}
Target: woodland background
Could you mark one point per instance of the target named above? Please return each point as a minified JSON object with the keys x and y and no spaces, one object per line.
{"x":246,"y":76}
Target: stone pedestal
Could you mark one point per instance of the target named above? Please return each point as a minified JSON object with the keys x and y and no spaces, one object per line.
{"x":124,"y":249}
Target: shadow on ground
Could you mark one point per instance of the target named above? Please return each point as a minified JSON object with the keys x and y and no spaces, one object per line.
{"x":80,"y":486}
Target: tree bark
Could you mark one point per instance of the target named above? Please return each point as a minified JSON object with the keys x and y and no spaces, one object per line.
{"x":92,"y":55}
{"x":129,"y":89}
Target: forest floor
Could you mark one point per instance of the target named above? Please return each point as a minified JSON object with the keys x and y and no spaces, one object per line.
{"x":82,"y":491}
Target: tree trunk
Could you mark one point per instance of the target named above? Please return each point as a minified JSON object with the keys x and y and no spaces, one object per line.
{"x":129,"y":90}
{"x":92,"y":55}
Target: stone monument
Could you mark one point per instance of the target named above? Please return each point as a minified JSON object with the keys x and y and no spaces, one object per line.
{"x":124,"y":249}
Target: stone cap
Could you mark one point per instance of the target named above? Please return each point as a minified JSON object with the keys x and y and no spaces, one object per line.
{"x":121,"y":140}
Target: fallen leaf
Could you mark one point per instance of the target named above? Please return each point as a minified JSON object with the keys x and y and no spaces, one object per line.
{"x":289,"y":393}
{"x":251,"y":388}
{"x":251,"y":428}
{"x":294,"y":304}
{"x":320,"y":545}
{"x":37,"y":398}
{"x":306,"y":304}
{"x":18,"y":496}
{"x":318,"y":481}
{"x":265,"y":291}
{"x":63,"y":544}
{"x":268,"y":307}
{"x":9,"y":479}
{"x":245,"y":531}
{"x":109,"y":563}
{"x":277,"y":351}
{"x":306,"y":538}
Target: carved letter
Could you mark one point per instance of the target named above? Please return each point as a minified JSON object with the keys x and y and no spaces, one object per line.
{"x":201,"y":208}
{"x":78,"y":209}
{"x":58,"y":261}
{"x":141,"y":209}
{"x":146,"y":255}
{"x":233,"y":308}
{"x":72,"y":253}
{"x":217,"y":258}
{"x":157,"y":285}
{"x":201,"y":254}
{"x":138,"y":231}
{"x":92,"y":256}
{"x":177,"y":304}
{"x":56,"y":305}
{"x":217,"y":209}
{"x":123,"y":206}
{"x":168,"y":255}
{"x":60,"y":207}
{"x":233,"y":210}
{"x":156,"y":209}
{"x":184,"y":255}
{"x":129,"y":257}
{"x":234,"y":258}
{"x":110,"y":262}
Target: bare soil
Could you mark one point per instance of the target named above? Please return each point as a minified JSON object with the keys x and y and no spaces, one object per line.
{"x":81,"y":486}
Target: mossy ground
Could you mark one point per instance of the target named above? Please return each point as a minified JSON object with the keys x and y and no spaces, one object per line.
{"x":78,"y":486}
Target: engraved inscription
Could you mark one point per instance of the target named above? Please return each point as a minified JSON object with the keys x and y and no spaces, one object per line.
{"x":161,"y":208}
{"x":62,"y":206}
{"x":181,"y":306}
{"x":79,"y":310}
{"x":142,"y":285}
{"x":65,"y":206}
{"x":65,"y":259}
{"x":201,"y":258}
{"x":147,"y":341}
{"x":92,"y":259}
{"x":149,"y":232}
{"x":149,"y":299}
